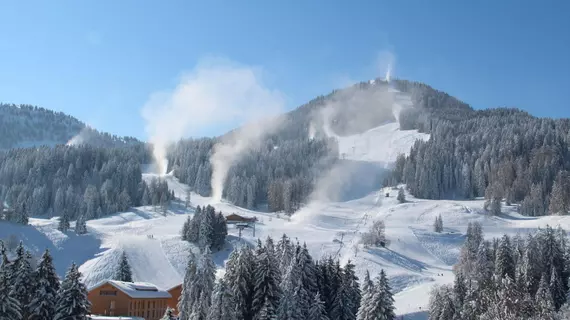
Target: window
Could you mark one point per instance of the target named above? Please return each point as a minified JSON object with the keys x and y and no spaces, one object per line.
{"x":107,"y":293}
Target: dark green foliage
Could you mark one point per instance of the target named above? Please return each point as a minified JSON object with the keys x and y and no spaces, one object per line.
{"x":206,"y":228}
{"x":123,"y":272}
{"x":71,"y":182}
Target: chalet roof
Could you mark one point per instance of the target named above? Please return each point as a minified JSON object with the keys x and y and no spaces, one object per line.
{"x":176,"y":286}
{"x":234,"y":216}
{"x":137,"y":290}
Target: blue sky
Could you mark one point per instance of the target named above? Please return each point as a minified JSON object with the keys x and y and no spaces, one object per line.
{"x":101,"y":60}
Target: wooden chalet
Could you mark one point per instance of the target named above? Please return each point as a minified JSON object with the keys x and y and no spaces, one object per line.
{"x":128,"y":299}
{"x":236,"y":218}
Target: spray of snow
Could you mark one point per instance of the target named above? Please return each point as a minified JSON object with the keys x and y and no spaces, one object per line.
{"x":234,"y":145}
{"x":216,"y":93}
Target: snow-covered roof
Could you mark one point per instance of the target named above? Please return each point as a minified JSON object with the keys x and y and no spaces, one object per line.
{"x":137,"y":290}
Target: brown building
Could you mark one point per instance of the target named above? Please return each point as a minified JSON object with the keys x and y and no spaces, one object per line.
{"x":236,"y":218}
{"x":133,"y":299}
{"x":175,"y":292}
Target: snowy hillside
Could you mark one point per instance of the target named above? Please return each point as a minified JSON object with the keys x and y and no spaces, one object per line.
{"x":416,"y":259}
{"x":25,"y":126}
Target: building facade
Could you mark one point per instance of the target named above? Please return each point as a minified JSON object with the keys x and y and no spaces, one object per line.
{"x":175,"y":293}
{"x":132,"y":299}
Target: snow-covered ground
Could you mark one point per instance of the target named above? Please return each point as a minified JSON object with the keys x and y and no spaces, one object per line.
{"x":416,"y":259}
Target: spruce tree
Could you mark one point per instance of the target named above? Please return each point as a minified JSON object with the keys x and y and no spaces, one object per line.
{"x":9,"y":305}
{"x":544,"y":302}
{"x":63,"y":225}
{"x":317,"y":311}
{"x":381,"y":304}
{"x":72,"y":303}
{"x":240,"y":279}
{"x":123,"y":272}
{"x":168,"y":314}
{"x":81,"y":225}
{"x":22,"y":284}
{"x":401,"y":195}
{"x":266,"y":293}
{"x":185,"y":232}
{"x":187,"y":297}
{"x":223,"y":305}
{"x":557,"y":289}
{"x":46,"y":287}
{"x":505,"y":265}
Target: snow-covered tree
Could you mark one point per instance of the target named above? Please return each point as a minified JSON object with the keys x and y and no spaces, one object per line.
{"x":376,"y":236}
{"x":380,"y":303}
{"x":401,"y":195}
{"x":45,"y":290}
{"x":223,"y":306}
{"x":544,"y":302}
{"x":438,"y":224}
{"x":23,"y":284}
{"x":266,"y":293}
{"x":168,"y":314}
{"x":81,"y":225}
{"x":188,"y":296}
{"x":9,"y":305}
{"x":240,"y":280}
{"x":317,"y":310}
{"x":505,"y":264}
{"x":72,"y":303}
{"x":123,"y":272}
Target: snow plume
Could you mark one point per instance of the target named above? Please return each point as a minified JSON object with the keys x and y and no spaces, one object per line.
{"x":216,"y":93}
{"x":385,"y":64}
{"x":234,"y":145}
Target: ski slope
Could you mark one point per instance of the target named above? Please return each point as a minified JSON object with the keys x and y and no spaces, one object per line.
{"x":415,"y":261}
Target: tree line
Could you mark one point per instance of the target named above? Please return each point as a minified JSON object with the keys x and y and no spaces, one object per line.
{"x":75,"y":182}
{"x":280,"y":173}
{"x":507,"y":278}
{"x":35,"y":293}
{"x":281,"y":281}
{"x":25,"y":125}
{"x":206,"y":228}
{"x":500,"y":154}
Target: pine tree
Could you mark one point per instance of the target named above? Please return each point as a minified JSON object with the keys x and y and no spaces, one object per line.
{"x":557,"y":290}
{"x":80,"y":225}
{"x":266,"y":293}
{"x":544,"y":302}
{"x":380,"y":304}
{"x":505,"y":265}
{"x":187,"y":297}
{"x":185,"y":232}
{"x":438,"y":224}
{"x":206,"y":229}
{"x":317,"y":311}
{"x":187,"y":198}
{"x":9,"y":305}
{"x":63,"y":225}
{"x":240,"y":279}
{"x":22,"y":288}
{"x":168,"y":314}
{"x":123,"y":272}
{"x":44,"y":297}
{"x":223,"y":305}
{"x":401,"y":195}
{"x":72,"y":303}
{"x":203,"y":284}
{"x":350,"y":281}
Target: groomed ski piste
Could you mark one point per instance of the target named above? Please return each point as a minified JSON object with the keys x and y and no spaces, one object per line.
{"x":416,"y":259}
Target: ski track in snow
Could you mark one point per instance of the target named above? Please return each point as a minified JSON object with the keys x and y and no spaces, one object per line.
{"x":416,"y":260}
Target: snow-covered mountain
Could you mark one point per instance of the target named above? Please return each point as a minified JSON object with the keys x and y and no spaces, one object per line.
{"x":23,"y":126}
{"x":415,"y":261}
